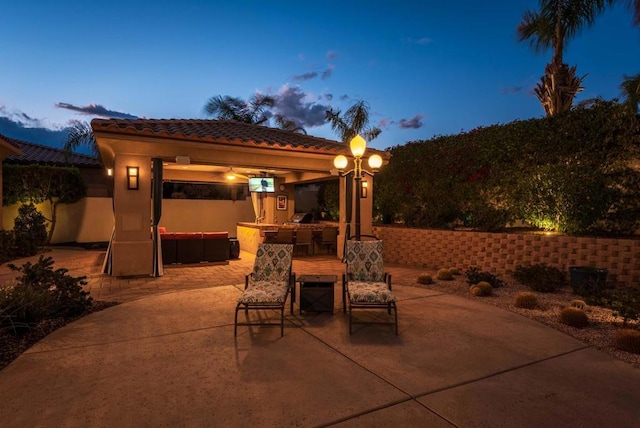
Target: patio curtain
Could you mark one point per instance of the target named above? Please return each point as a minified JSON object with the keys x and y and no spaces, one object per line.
{"x":156,"y":194}
{"x":255,"y":200}
{"x":107,"y":264}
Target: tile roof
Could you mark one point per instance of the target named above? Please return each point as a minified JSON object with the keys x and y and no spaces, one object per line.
{"x":227,"y":132}
{"x":37,"y":153}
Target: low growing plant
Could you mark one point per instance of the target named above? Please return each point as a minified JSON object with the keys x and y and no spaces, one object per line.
{"x":526,"y":300}
{"x":574,"y":317}
{"x":628,"y":340}
{"x":424,"y":278}
{"x":625,"y":303}
{"x":540,"y":277}
{"x":475,"y":275}
{"x":444,"y":275}
{"x":483,"y":288}
{"x":69,"y":299}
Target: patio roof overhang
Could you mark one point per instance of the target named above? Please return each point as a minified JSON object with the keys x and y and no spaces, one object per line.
{"x":214,"y":146}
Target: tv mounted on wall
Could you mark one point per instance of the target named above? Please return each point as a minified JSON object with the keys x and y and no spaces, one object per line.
{"x":262,"y":184}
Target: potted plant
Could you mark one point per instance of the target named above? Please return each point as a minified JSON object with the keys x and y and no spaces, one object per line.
{"x":587,"y":277}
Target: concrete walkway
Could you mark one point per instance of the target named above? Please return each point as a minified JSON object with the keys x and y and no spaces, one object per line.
{"x":167,"y":357}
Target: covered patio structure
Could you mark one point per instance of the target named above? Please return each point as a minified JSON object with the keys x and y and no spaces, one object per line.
{"x":137,"y":151}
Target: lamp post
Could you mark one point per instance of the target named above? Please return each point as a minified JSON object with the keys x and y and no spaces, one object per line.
{"x":358,"y":146}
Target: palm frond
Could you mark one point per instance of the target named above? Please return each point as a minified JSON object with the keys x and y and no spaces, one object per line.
{"x":81,"y":134}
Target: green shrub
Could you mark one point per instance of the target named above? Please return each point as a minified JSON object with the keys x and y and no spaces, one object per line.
{"x":68,"y":296}
{"x":22,"y":308}
{"x":7,"y":249}
{"x":625,"y":303}
{"x":540,"y":277}
{"x":628,"y":340}
{"x":526,"y":300}
{"x":475,"y":275}
{"x":424,"y":278}
{"x":444,"y":275}
{"x":574,"y":317}
{"x":29,"y":230}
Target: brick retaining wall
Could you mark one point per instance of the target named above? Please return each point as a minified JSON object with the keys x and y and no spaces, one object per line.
{"x":501,"y":252}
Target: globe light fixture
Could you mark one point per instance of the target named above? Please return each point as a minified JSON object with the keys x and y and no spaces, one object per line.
{"x":358,"y":147}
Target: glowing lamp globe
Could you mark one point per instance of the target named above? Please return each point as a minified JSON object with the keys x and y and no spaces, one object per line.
{"x":358,"y":145}
{"x":375,"y":162}
{"x":340,"y":162}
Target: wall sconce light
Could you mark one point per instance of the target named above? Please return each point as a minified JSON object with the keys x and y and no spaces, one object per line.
{"x":109,"y":172}
{"x":133,"y":181}
{"x":363,"y":190}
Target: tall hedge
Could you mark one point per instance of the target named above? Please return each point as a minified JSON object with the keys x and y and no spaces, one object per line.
{"x":577,"y":172}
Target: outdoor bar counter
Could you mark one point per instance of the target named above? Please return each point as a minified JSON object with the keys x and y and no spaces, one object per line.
{"x":251,"y":234}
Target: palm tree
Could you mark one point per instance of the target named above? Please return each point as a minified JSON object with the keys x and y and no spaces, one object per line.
{"x":288,"y":124}
{"x":553,"y":26}
{"x":631,"y":91}
{"x":353,"y":122}
{"x":230,"y":108}
{"x":81,"y":134}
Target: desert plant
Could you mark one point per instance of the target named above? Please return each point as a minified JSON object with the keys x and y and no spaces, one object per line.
{"x":540,"y":277}
{"x":483,"y":288}
{"x":67,"y":293}
{"x":574,"y":317}
{"x":454,"y":271}
{"x":29,"y":230}
{"x":526,"y":300}
{"x":424,"y":278}
{"x":628,"y":340}
{"x":577,"y":303}
{"x":625,"y":303}
{"x":7,"y":249}
{"x":475,"y":275}
{"x":444,"y":275}
{"x":22,"y":308}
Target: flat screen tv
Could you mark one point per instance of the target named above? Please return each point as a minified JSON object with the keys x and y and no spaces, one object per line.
{"x":261,"y":184}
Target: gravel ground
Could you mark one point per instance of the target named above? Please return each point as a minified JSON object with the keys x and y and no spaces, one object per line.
{"x":599,"y":334}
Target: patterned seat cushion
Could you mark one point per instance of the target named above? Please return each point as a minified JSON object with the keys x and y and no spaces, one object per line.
{"x":265,"y":292}
{"x":364,"y":261}
{"x":370,"y":292}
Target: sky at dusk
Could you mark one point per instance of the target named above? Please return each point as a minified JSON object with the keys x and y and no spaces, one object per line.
{"x":425,"y":68}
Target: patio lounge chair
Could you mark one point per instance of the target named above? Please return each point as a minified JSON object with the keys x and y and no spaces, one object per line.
{"x":268,"y":285}
{"x":365,"y":285}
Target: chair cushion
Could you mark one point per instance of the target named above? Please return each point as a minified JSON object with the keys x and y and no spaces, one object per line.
{"x":364,"y":261}
{"x":272,"y":262}
{"x":370,"y":292}
{"x":265,"y":292}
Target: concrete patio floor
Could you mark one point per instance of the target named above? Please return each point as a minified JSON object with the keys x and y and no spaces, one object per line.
{"x":167,"y":356}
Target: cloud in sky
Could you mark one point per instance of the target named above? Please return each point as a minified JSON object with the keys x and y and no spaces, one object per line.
{"x":510,"y":90}
{"x":24,"y":120}
{"x":420,"y":41}
{"x":96,"y":110}
{"x":34,"y":134}
{"x":328,"y":72}
{"x":414,"y":123}
{"x":305,"y":76}
{"x":293,"y":103}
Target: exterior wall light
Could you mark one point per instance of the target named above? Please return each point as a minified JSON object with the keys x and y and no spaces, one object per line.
{"x":109,"y":172}
{"x":363,"y":190}
{"x":133,"y":178}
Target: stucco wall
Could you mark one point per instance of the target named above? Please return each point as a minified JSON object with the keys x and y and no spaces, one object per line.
{"x":88,"y":220}
{"x":190,"y":215}
{"x":501,"y":252}
{"x":91,"y":219}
